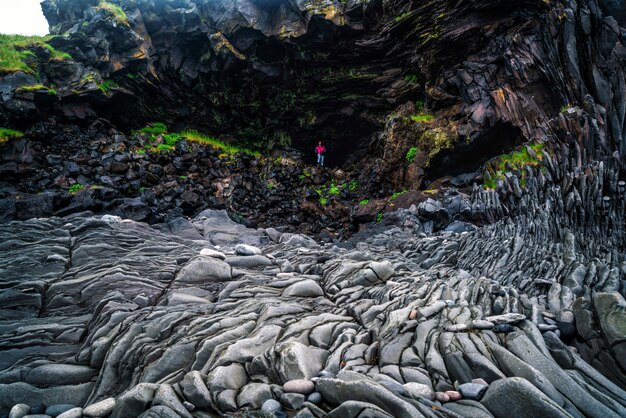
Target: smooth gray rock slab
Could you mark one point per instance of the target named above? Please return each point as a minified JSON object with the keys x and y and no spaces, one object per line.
{"x":159,"y":411}
{"x":517,"y":397}
{"x":195,"y":391}
{"x":247,"y":250}
{"x":297,"y":240}
{"x":304,"y":288}
{"x":383,"y":269}
{"x":355,"y":409}
{"x":14,"y":393}
{"x":472,"y":391}
{"x":204,"y":269}
{"x":338,"y":392}
{"x":253,"y":395}
{"x":510,"y":318}
{"x":226,"y":400}
{"x":249,"y":262}
{"x":72,"y":413}
{"x":468,"y":409}
{"x":227,"y":377}
{"x":418,"y":390}
{"x":51,"y":374}
{"x":482,"y":324}
{"x":298,"y":361}
{"x":132,"y":403}
{"x":166,"y":396}
{"x":208,"y":252}
{"x":100,"y":409}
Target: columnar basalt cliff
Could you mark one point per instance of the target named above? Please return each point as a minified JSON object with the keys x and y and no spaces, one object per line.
{"x":168,"y":249}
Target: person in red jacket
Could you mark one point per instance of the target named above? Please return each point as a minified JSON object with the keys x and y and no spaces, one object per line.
{"x":320,"y":150}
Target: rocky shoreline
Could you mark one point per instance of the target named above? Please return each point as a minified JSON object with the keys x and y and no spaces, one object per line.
{"x":208,"y":318}
{"x":464,"y":256}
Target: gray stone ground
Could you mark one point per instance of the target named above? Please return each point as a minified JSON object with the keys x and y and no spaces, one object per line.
{"x":518,"y":318}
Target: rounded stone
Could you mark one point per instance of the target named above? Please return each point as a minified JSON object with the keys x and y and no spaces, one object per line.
{"x":315,"y":398}
{"x":20,"y":410}
{"x":456,"y":327}
{"x":473,"y":391}
{"x":100,"y":409}
{"x":482,"y":324}
{"x":442,"y":397}
{"x":453,"y":395}
{"x":303,"y":386}
{"x":247,"y":250}
{"x":271,"y":406}
{"x":413,"y":315}
{"x":72,"y":413}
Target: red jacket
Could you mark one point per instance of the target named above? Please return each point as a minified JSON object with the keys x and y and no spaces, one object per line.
{"x":320,"y":149}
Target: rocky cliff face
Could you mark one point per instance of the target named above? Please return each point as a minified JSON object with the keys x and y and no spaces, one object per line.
{"x":409,"y":95}
{"x":483,"y":187}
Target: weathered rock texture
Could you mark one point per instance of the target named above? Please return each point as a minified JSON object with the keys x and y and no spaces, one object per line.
{"x":97,"y":308}
{"x":468,"y":301}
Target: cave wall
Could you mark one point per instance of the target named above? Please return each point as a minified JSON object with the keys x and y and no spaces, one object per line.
{"x":291,"y":73}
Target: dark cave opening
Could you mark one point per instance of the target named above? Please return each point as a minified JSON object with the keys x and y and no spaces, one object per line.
{"x":341,"y":134}
{"x":469,"y":157}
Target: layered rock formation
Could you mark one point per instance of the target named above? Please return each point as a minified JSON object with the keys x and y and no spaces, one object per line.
{"x":496,"y":289}
{"x":206,"y":318}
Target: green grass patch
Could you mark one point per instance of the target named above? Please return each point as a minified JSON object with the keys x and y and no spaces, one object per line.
{"x":410,"y":154}
{"x":379,"y":218}
{"x":422,"y":118}
{"x":6,"y":134}
{"x":397,"y":194}
{"x":334,"y":189}
{"x":164,"y":147}
{"x":16,"y":50}
{"x":200,"y":138}
{"x":115,"y":11}
{"x":75,"y":188}
{"x":107,"y":85}
{"x":353,"y":185}
{"x":526,"y":156}
{"x":364,"y":202}
{"x":154,"y":129}
{"x":170,"y":139}
{"x":38,"y":88}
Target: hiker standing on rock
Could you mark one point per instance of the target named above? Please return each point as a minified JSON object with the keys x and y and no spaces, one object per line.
{"x":320,"y":150}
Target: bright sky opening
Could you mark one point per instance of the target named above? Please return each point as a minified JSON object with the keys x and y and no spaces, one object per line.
{"x":23,"y":17}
